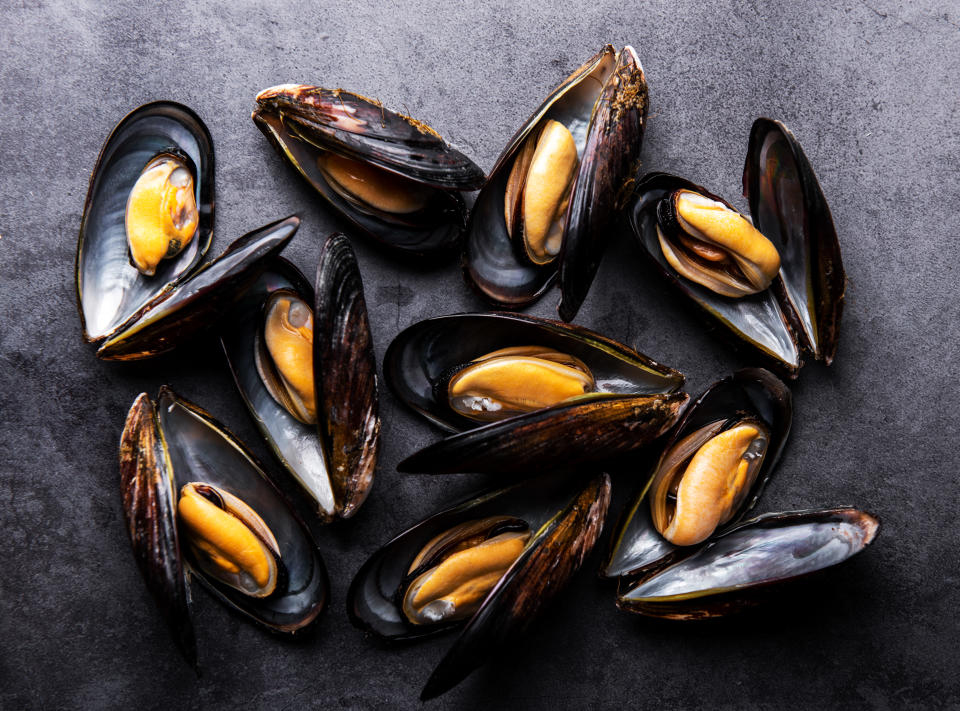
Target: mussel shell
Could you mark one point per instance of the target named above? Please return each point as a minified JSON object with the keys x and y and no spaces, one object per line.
{"x":542,"y":504}
{"x":589,"y":431}
{"x":636,"y":547}
{"x":302,"y":121}
{"x":603,"y":103}
{"x":149,"y":510}
{"x":758,"y":320}
{"x":800,"y":312}
{"x":421,"y":355}
{"x":110,"y":290}
{"x":200,"y":301}
{"x":788,"y":206}
{"x":346,"y":383}
{"x":296,"y":445}
{"x":334,"y":461}
{"x":198,"y":448}
{"x":748,"y":563}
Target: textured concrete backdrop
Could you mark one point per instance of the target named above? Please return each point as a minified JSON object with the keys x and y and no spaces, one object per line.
{"x":869,"y":89}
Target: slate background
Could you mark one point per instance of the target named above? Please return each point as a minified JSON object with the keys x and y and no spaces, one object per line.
{"x":870,"y":91}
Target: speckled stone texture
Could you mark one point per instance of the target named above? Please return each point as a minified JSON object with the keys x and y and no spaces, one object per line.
{"x":870,"y":90}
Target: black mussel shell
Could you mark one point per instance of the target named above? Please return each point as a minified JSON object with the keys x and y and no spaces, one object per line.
{"x":149,"y":510}
{"x":636,"y":546}
{"x":604,"y":104}
{"x":800,"y":312}
{"x":566,"y":514}
{"x":201,"y":301}
{"x":346,"y":375}
{"x":421,"y":356}
{"x":789,"y":207}
{"x":588,"y":431}
{"x":749,"y":563}
{"x":189,"y":446}
{"x":110,"y":290}
{"x":302,"y":122}
{"x":335,"y":460}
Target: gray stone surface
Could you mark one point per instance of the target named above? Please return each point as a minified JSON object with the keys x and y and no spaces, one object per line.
{"x":869,"y":89}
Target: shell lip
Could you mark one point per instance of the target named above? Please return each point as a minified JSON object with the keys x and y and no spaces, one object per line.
{"x":577,"y":434}
{"x":734,"y":595}
{"x":299,"y":552}
{"x":420,"y":354}
{"x":203,"y":177}
{"x":636,"y":548}
{"x":163,"y":322}
{"x":371,"y":599}
{"x":492,"y":264}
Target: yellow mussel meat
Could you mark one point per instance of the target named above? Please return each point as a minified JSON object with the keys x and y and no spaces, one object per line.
{"x":715,"y":246}
{"x":161,"y":215}
{"x":284,"y":357}
{"x":511,"y":381}
{"x":704,"y":479}
{"x":229,"y":540}
{"x":370,"y":187}
{"x":462,"y":565}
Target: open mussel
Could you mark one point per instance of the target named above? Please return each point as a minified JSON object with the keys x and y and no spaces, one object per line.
{"x":532,"y":394}
{"x":488,"y":565}
{"x":750,"y":563}
{"x":550,"y":200}
{"x":148,"y":216}
{"x":710,"y":474}
{"x":180,"y":313}
{"x":303,"y":362}
{"x":393,"y":176}
{"x":195,"y":499}
{"x":775,"y":282}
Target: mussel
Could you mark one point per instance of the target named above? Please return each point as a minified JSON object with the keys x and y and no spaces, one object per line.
{"x":711,"y":472}
{"x":391,"y":175}
{"x":488,"y":565}
{"x":203,"y":299}
{"x":303,"y":362}
{"x":195,"y":499}
{"x":551,"y":198}
{"x":148,"y":216}
{"x":749,"y":563}
{"x":776,"y":283}
{"x":552,"y":395}
{"x":682,"y":551}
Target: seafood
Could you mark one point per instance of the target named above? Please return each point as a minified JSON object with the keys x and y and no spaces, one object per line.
{"x":180,"y":313}
{"x":393,"y":176}
{"x":548,"y":205}
{"x":548,"y":395}
{"x":777,"y":284}
{"x":161,"y":216}
{"x":303,"y":362}
{"x":750,"y":563}
{"x":195,"y":499}
{"x":115,"y":280}
{"x":554,"y":522}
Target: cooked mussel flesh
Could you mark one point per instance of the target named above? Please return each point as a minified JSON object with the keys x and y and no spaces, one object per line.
{"x":284,"y":354}
{"x":161,"y":216}
{"x":538,"y":191}
{"x":373,"y":189}
{"x":710,"y":243}
{"x":228,"y":539}
{"x":450,"y":577}
{"x":514,"y":380}
{"x":704,"y":479}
